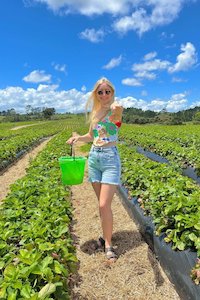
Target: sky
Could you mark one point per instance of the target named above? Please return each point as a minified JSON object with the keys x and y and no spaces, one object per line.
{"x":52,"y":52}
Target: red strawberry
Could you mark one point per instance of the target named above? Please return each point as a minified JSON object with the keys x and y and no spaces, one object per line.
{"x":118,"y":124}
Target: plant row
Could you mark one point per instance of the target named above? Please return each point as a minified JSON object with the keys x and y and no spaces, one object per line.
{"x":37,"y":254}
{"x":172,"y":200}
{"x":12,"y":148}
{"x":184,"y":135}
{"x":182,"y":154}
{"x":6,"y":129}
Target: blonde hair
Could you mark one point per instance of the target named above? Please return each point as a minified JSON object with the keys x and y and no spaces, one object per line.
{"x":93,"y":101}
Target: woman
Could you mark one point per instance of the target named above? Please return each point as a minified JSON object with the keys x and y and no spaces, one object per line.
{"x":104,"y":164}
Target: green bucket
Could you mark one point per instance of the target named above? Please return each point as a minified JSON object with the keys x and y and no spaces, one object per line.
{"x":72,"y":169}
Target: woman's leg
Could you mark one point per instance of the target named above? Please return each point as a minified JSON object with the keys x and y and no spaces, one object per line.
{"x":107,"y":192}
{"x":97,"y":188}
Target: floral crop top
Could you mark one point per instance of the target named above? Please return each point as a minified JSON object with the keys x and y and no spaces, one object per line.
{"x":106,"y":131}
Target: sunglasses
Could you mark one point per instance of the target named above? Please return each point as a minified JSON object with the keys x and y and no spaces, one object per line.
{"x":107,"y":92}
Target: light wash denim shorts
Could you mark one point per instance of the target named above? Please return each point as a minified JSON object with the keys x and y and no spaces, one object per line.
{"x":104,"y":165}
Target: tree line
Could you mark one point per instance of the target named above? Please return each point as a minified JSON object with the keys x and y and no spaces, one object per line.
{"x":31,"y":113}
{"x":130,"y":115}
{"x":138,"y":116}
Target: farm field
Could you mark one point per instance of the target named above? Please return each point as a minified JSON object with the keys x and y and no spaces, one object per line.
{"x":41,"y":256}
{"x":160,"y":182}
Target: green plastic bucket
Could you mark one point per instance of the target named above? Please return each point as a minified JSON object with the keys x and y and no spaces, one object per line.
{"x":72,"y":169}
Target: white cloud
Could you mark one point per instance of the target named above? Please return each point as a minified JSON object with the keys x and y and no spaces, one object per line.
{"x":178,"y":79}
{"x":44,"y":96}
{"x":165,"y":35}
{"x":165,"y":11}
{"x":149,"y":14}
{"x":131,"y":102}
{"x":177,"y":102}
{"x":92,"y":35}
{"x":196,"y":103}
{"x":37,"y":76}
{"x":137,"y":15}
{"x":156,"y":105}
{"x":144,"y":70}
{"x":60,"y":68}
{"x":46,"y":88}
{"x":186,"y":59}
{"x":144,"y":93}
{"x":89,"y":7}
{"x":131,"y":82}
{"x":114,"y":62}
{"x":150,"y":55}
{"x":138,"y":22}
{"x":74,"y":101}
{"x":83,"y":88}
{"x":145,"y":74}
{"x":150,"y":67}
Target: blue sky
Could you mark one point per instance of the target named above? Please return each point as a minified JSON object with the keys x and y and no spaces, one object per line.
{"x":53,"y":51}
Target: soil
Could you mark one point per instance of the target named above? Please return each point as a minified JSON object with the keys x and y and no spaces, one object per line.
{"x":136,"y":275}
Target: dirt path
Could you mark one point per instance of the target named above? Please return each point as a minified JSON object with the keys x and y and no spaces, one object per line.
{"x":23,"y":126}
{"x":136,"y":275}
{"x":18,"y":170}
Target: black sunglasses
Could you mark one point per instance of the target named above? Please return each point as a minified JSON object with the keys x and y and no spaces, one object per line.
{"x":107,"y":92}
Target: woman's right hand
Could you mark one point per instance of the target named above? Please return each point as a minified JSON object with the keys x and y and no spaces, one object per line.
{"x":72,"y":140}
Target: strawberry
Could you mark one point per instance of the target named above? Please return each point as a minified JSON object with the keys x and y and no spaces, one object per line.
{"x":118,"y":124}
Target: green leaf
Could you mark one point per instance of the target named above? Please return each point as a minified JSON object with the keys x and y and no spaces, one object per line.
{"x":57,"y":267}
{"x":3,"y":290}
{"x":180,"y":245}
{"x":34,"y":297}
{"x":10,"y":272}
{"x":37,"y":270}
{"x":3,"y":245}
{"x":28,"y":257}
{"x":26,"y":291}
{"x":46,"y":261}
{"x":48,"y":274}
{"x":197,"y":226}
{"x":2,"y":264}
{"x":60,"y":230}
{"x":179,"y":217}
{"x":27,"y":270}
{"x":17,"y":284}
{"x":46,"y":246}
{"x":192,"y":237}
{"x":12,"y":294}
{"x":47,"y":290}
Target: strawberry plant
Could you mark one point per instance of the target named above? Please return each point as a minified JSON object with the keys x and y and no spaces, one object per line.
{"x":171,"y":199}
{"x":37,"y":254}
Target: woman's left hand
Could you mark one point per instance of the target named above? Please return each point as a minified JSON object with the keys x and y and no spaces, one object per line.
{"x":116,"y":115}
{"x":116,"y":107}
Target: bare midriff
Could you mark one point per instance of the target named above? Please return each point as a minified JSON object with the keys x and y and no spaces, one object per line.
{"x":111,"y":144}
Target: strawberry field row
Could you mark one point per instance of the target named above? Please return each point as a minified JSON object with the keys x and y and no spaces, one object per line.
{"x":36,"y":249}
{"x":166,"y":144}
{"x":10,"y":149}
{"x":172,"y":200}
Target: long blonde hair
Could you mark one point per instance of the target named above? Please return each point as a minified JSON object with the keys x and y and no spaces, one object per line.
{"x":93,"y":101}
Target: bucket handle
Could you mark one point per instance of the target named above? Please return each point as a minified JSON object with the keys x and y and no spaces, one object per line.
{"x":72,"y":151}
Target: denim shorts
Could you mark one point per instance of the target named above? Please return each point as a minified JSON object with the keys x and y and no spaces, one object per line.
{"x":104,"y":165}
